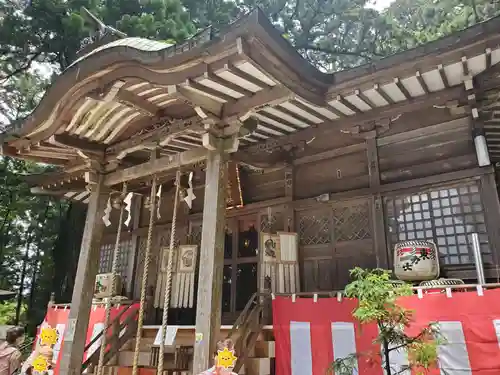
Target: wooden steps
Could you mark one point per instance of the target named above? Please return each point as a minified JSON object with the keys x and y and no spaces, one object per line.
{"x":258,"y":362}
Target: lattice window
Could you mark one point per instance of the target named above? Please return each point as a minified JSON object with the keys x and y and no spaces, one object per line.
{"x":270,"y":223}
{"x":447,"y":216}
{"x":314,"y":228}
{"x":351,"y":223}
{"x":106,"y":258}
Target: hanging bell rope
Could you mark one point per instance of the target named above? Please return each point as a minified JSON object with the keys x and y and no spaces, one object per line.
{"x":168,"y":284}
{"x":147,"y":260}
{"x":114,"y":277}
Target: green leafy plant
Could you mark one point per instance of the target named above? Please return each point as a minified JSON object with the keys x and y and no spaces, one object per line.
{"x":8,"y":312}
{"x":378,"y":303}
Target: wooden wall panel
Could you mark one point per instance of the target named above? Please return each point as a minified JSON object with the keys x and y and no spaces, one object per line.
{"x":317,"y":274}
{"x":328,"y":140}
{"x":334,"y":237}
{"x":346,"y":172}
{"x":348,"y":256}
{"x":420,"y":119}
{"x":258,"y":187}
{"x":426,"y":151}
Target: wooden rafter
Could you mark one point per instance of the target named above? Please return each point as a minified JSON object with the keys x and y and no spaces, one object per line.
{"x":383,"y":94}
{"x":394,"y":110}
{"x":130,"y":99}
{"x":443,"y":76}
{"x":402,"y":88}
{"x":421,"y":82}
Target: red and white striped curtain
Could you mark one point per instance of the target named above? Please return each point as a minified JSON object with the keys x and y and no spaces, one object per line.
{"x":57,"y":318}
{"x":311,"y":333}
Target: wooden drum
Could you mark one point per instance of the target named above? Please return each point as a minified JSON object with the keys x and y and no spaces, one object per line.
{"x":416,"y":261}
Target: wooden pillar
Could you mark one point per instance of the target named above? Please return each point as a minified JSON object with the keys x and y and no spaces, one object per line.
{"x":208,"y":311}
{"x":75,"y":333}
{"x":377,"y":207}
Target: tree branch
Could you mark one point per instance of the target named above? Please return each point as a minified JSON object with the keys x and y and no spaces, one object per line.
{"x":22,"y":68}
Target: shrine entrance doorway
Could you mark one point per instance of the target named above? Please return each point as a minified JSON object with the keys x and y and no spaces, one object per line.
{"x":240,"y":265}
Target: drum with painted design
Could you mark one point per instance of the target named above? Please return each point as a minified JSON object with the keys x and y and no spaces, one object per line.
{"x":416,"y":261}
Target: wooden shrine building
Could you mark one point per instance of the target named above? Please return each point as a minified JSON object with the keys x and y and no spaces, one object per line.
{"x":404,"y":148}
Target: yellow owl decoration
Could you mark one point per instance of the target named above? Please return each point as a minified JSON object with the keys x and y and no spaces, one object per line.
{"x":226,"y":358}
{"x":40,"y":364}
{"x":48,"y":336}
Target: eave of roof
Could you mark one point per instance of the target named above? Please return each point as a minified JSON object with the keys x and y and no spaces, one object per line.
{"x":351,"y":94}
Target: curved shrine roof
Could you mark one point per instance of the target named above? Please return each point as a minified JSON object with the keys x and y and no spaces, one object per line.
{"x":111,"y":100}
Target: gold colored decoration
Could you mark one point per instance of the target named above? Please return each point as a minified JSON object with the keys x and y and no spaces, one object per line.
{"x":234,"y":196}
{"x":48,"y":336}
{"x":226,"y":358}
{"x":40,"y":364}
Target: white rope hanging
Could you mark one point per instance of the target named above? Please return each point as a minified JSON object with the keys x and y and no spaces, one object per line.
{"x":147,"y":261}
{"x":168,"y":284}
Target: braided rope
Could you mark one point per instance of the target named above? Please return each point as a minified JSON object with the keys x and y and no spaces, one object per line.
{"x":168,"y":284}
{"x":114,"y":277}
{"x":147,"y":261}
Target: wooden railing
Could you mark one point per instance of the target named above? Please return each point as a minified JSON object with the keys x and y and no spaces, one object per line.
{"x":245,"y":331}
{"x":119,"y":332}
{"x":248,"y":327}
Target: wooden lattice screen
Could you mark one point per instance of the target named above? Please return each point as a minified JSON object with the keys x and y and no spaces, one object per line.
{"x":106,"y":258}
{"x":446,"y":215}
{"x":333,"y":239}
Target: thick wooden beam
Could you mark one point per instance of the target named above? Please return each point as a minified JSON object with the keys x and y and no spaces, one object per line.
{"x":330,"y":154}
{"x":401,"y":185}
{"x":75,"y":334}
{"x":208,"y":310}
{"x":66,"y":140}
{"x":423,"y":132}
{"x":160,"y":165}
